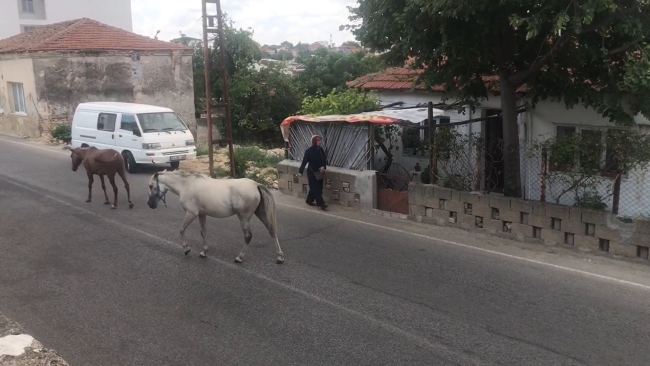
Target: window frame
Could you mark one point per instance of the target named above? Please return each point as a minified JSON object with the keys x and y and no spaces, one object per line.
{"x":18,"y":103}
{"x":25,"y":6}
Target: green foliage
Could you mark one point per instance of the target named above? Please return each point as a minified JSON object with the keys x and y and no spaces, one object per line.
{"x":201,"y":149}
{"x":61,"y":132}
{"x":582,"y":52}
{"x":348,"y":101}
{"x":252,"y":156}
{"x":326,"y":70}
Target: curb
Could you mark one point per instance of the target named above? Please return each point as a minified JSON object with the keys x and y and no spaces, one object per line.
{"x":20,"y":349}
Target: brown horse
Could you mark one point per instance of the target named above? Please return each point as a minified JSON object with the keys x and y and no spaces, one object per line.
{"x":105,"y":162}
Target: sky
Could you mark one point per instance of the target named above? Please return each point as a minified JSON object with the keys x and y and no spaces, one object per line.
{"x":272,"y":21}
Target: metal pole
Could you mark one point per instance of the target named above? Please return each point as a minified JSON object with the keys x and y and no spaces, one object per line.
{"x":224,"y":78}
{"x":208,"y":99}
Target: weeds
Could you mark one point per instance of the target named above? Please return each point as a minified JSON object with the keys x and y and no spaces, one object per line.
{"x":201,"y":149}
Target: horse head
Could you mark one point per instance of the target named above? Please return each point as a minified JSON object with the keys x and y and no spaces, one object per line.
{"x":76,"y":159}
{"x":156,"y":192}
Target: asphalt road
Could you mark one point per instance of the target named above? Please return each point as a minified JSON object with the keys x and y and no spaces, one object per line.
{"x":112,"y":287}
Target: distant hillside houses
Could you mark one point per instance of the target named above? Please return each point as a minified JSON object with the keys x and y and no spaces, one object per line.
{"x":344,"y":48}
{"x":288,"y":67}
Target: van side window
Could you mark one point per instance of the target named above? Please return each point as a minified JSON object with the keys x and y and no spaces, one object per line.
{"x":106,"y":122}
{"x":128,"y":123}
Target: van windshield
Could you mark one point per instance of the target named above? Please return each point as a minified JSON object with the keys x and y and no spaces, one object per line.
{"x":158,"y":122}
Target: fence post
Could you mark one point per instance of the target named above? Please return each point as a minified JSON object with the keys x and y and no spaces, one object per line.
{"x":542,"y":195}
{"x":617,"y":193}
{"x":433,"y":161}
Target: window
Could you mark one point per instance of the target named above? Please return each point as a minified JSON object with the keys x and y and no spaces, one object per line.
{"x":27,"y":28}
{"x":17,"y":97}
{"x":587,"y":148}
{"x":415,"y":140}
{"x":128,"y":123}
{"x":164,"y":121}
{"x":27,"y":6}
{"x":106,"y":122}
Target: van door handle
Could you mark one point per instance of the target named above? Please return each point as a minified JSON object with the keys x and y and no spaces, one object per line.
{"x":120,"y":135}
{"x":112,"y":136}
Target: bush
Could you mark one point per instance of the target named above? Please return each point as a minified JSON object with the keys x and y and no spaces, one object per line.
{"x":254,"y":156}
{"x":62,"y":132}
{"x":201,"y":149}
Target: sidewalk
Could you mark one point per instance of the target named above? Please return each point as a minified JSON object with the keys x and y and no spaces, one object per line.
{"x":20,"y":349}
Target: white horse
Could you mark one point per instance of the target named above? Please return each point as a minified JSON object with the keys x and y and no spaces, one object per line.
{"x":203,"y":196}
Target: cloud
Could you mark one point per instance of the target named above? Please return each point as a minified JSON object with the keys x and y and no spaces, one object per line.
{"x":272,"y":21}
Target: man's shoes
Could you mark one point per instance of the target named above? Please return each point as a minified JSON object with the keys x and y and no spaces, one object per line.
{"x":311,"y":203}
{"x":323,"y":207}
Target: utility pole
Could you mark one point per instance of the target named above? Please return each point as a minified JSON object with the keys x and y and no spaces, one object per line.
{"x":208,"y":27}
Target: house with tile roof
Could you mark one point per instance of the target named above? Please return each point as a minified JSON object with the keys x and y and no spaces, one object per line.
{"x":46,"y":72}
{"x":401,"y":86}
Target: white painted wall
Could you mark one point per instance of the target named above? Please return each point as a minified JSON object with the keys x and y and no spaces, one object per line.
{"x":116,"y":13}
{"x":538,"y":123}
{"x":20,"y":70}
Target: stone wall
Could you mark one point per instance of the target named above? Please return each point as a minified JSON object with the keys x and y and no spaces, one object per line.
{"x":350,"y":188}
{"x":61,"y":81}
{"x":529,"y":221}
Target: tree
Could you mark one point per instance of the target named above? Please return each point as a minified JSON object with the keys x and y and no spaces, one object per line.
{"x":326,"y":70}
{"x":303,"y":50}
{"x":351,"y":43}
{"x":287,"y":44}
{"x":590,"y":52}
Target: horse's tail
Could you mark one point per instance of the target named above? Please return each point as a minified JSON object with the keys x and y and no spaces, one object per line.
{"x":266,"y":209}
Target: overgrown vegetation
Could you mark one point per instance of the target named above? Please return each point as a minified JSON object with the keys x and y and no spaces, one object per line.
{"x":62,"y":133}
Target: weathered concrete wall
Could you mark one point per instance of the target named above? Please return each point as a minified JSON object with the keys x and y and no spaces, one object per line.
{"x":62,"y":82}
{"x":18,"y":70}
{"x":344,"y":187}
{"x":530,"y":221}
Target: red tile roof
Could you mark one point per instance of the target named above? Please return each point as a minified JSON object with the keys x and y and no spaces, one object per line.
{"x":403,"y":78}
{"x":83,"y":35}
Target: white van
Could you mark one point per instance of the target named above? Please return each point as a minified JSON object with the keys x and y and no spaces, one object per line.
{"x":143,"y":134}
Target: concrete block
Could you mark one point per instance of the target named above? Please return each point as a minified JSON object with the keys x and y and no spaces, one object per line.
{"x":482,"y":210}
{"x":455,"y":206}
{"x":440,"y":214}
{"x":642,"y":225}
{"x":539,"y":208}
{"x":417,"y":199}
{"x":569,"y":238}
{"x":603,"y":232}
{"x":590,"y":229}
{"x":336,"y":176}
{"x":558,"y":212}
{"x":432,"y":202}
{"x":471,"y":197}
{"x":282,"y":168}
{"x":624,"y":250}
{"x":575,"y":214}
{"x":502,"y":203}
{"x":570,"y":226}
{"x":415,"y":187}
{"x":523,"y":218}
{"x":639,"y":239}
{"x":428,"y":190}
{"x":588,"y":242}
{"x":521,"y":230}
{"x":492,"y":226}
{"x":440,"y":192}
{"x":428,"y":212}
{"x":552,"y":236}
{"x":543,"y":222}
{"x":350,"y":199}
{"x":594,"y":217}
{"x":416,"y":210}
{"x":466,"y":221}
{"x":521,"y":206}
{"x":510,"y":216}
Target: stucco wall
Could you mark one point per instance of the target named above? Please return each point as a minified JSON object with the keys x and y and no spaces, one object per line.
{"x":19,"y":124}
{"x":59,"y":83}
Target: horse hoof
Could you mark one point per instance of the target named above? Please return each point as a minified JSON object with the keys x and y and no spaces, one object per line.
{"x":202,"y":255}
{"x":106,"y":203}
{"x":279,"y":261}
{"x":187,"y":251}
{"x":88,"y":200}
{"x":113,"y":207}
{"x":130,"y":205}
{"x":238,"y":260}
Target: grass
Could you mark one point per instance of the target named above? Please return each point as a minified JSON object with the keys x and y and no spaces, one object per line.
{"x":247,"y":156}
{"x":201,"y":149}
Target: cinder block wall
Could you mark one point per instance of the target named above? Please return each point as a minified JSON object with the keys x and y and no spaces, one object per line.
{"x":529,"y":220}
{"x":349,"y":188}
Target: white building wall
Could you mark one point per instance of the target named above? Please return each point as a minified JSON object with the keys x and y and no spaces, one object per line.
{"x":116,"y":13}
{"x":535,"y":124}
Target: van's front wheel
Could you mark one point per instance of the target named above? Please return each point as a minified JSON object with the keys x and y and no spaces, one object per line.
{"x":175,"y":165}
{"x":129,"y":162}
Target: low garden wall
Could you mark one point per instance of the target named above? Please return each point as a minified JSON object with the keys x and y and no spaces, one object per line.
{"x":350,"y":188}
{"x":529,"y":220}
